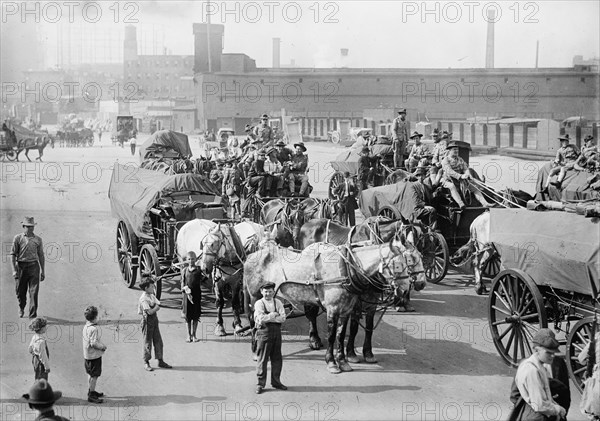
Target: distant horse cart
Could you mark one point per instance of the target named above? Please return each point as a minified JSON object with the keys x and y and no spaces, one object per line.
{"x":16,"y":138}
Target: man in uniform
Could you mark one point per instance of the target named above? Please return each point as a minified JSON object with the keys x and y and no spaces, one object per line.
{"x":589,"y":155}
{"x":566,"y":157}
{"x":274,"y":169}
{"x":456,"y":169}
{"x":257,"y":175}
{"x":28,"y":266}
{"x":400,"y":137}
{"x":440,"y":149}
{"x":365,"y":168}
{"x":424,"y":188}
{"x":298,"y":168}
{"x":347,"y":194}
{"x":263,"y":132}
{"x":418,"y":152}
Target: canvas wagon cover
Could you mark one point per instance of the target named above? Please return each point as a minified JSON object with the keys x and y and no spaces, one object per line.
{"x":168,"y":139}
{"x":555,"y":248}
{"x":574,"y":186}
{"x":133,"y":191}
{"x":348,"y":159}
{"x":23,"y":133}
{"x":402,"y":196}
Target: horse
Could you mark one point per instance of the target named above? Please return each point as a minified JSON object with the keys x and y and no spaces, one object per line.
{"x":221,"y":251}
{"x":332,"y":277}
{"x":286,"y":216}
{"x":39,"y":143}
{"x":313,"y":208}
{"x":375,"y":230}
{"x":479,"y":248}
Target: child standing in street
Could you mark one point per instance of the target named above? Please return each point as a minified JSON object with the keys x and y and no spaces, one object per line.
{"x":38,"y":348}
{"x":148,"y":306}
{"x":192,"y":295}
{"x":93,"y":350}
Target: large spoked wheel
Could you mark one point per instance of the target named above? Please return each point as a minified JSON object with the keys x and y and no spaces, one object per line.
{"x":337,"y":179}
{"x":436,"y":256}
{"x":335,"y":137}
{"x":389,"y":212}
{"x":127,"y":254}
{"x":516,"y":313}
{"x":149,"y":265}
{"x":578,"y":338}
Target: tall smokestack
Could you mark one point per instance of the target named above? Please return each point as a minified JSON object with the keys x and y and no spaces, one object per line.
{"x":489,"y":50}
{"x":276,"y":53}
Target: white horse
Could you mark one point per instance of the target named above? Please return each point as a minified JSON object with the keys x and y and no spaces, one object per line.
{"x":221,"y":254}
{"x":479,"y":248}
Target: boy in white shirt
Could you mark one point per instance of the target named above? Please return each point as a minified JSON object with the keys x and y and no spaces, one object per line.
{"x":38,"y":348}
{"x":93,"y":349}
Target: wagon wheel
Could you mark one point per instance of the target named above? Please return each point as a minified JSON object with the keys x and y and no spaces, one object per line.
{"x":149,"y":265}
{"x":491,"y":268}
{"x":578,"y":338}
{"x":11,"y":155}
{"x":389,"y":212}
{"x":337,"y":179}
{"x":127,"y":248}
{"x":335,"y":137}
{"x":516,"y":313}
{"x":436,"y":256}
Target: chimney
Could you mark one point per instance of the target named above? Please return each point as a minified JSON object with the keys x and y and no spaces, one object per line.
{"x":343,"y":57}
{"x":489,"y":50}
{"x":276,"y":53}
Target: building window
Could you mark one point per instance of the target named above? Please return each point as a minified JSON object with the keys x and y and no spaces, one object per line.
{"x":300,"y":80}
{"x":176,"y":63}
{"x":339,"y":80}
{"x":505,"y":80}
{"x":378,"y":79}
{"x":583,"y":79}
{"x":548,"y":79}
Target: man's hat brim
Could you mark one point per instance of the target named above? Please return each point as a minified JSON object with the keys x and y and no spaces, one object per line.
{"x":268,"y":285}
{"x":300,"y":145}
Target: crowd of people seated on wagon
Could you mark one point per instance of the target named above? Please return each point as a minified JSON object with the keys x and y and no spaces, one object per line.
{"x":570,"y":158}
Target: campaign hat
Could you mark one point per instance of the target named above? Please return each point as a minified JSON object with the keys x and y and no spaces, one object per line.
{"x":402,"y":111}
{"x":41,"y":393}
{"x":415,"y":135}
{"x":588,"y":137}
{"x":280,"y":143}
{"x":564,"y":137}
{"x":28,"y":221}
{"x":421,"y":168}
{"x":264,"y":117}
{"x":452,"y":145}
{"x":300,"y":145}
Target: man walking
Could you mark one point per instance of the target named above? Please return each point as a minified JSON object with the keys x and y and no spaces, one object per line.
{"x":28,"y":266}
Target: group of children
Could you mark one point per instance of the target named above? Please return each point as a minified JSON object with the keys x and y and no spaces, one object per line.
{"x":94,"y":349}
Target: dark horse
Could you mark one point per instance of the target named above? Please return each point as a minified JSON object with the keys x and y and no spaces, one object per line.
{"x":374,"y":230}
{"x":39,"y":143}
{"x":288,"y":218}
{"x":333,"y":277}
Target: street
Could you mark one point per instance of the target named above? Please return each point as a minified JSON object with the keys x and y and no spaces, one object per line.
{"x":436,"y":364}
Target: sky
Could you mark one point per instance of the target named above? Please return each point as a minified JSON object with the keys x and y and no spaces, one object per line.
{"x":412,"y":34}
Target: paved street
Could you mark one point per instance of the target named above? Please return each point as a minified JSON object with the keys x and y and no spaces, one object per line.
{"x":436,"y":364}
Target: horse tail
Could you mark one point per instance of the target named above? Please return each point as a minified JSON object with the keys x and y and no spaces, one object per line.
{"x":463,"y":254}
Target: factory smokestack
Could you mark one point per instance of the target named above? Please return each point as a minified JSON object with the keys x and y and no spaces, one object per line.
{"x":489,"y":50}
{"x":276,"y":53}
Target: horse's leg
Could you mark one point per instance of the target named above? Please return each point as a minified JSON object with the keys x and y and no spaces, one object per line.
{"x":27,"y":154}
{"x":367,"y":345}
{"x":350,"y":351}
{"x":340,"y":355}
{"x":220,"y":300}
{"x":41,"y":153}
{"x":235,"y":307}
{"x":311,"y":312}
{"x":332,"y":324}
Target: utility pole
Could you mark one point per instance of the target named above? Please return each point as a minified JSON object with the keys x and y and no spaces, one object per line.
{"x":208,"y":35}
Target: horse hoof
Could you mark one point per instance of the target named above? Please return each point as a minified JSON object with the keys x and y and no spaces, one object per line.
{"x":333,"y":368}
{"x":220,"y":331}
{"x":371,"y":360}
{"x":254,"y":357}
{"x":345,"y":367}
{"x":481,"y":289}
{"x":315,"y":345}
{"x":353,"y":359}
{"x":401,"y":309}
{"x":409,"y":308}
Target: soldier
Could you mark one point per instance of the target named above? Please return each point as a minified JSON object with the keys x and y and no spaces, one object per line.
{"x":418,"y":153}
{"x":589,"y":155}
{"x":249,"y":130}
{"x":456,"y":169}
{"x":365,"y":168}
{"x":232,"y":182}
{"x":347,"y":194}
{"x":298,"y":168}
{"x":274,"y":169}
{"x":257,"y":175}
{"x":400,"y":137}
{"x":440,"y":148}
{"x":566,"y":157}
{"x":423,"y":211}
{"x":263,"y":132}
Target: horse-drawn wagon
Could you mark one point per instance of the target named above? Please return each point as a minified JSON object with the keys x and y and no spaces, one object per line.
{"x":151,"y":208}
{"x":550,"y":275}
{"x":16,"y":138}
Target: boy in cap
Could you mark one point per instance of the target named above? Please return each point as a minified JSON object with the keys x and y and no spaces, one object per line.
{"x":38,"y":348}
{"x":533,"y":381}
{"x":93,"y":349}
{"x":148,"y":306}
{"x":269,"y":314}
{"x":41,"y":398}
{"x":28,"y":266}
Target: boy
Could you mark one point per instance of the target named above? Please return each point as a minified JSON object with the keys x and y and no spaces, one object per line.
{"x":92,"y":353}
{"x":148,"y":306}
{"x":269,"y":314}
{"x":38,"y":348}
